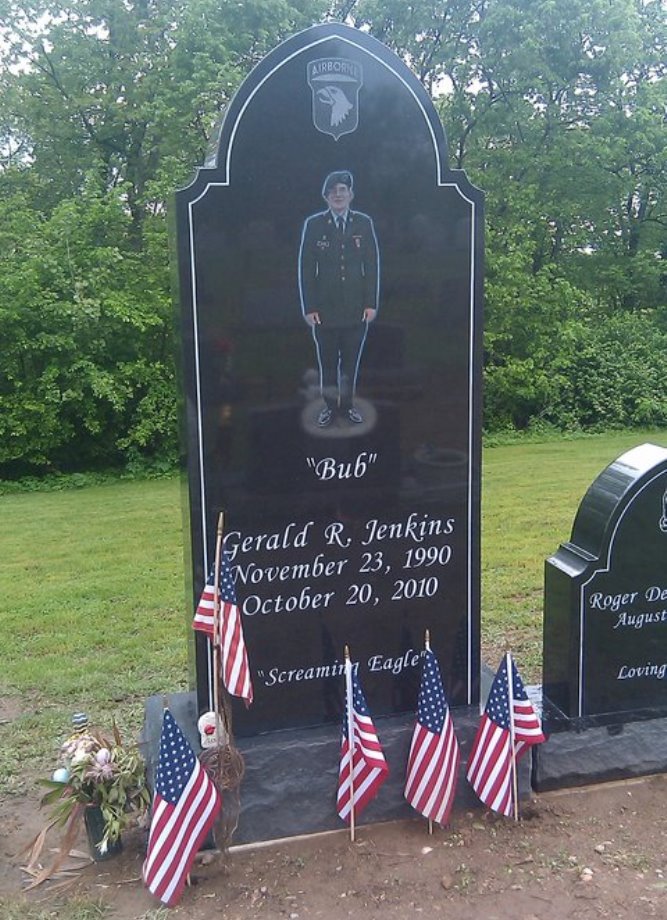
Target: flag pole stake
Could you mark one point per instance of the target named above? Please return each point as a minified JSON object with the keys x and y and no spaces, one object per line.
{"x":427,"y":646}
{"x":350,"y":734}
{"x":216,"y":624}
{"x":515,"y":781}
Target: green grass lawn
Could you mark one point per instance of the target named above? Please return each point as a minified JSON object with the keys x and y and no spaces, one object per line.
{"x":92,"y":610}
{"x":530,"y":495}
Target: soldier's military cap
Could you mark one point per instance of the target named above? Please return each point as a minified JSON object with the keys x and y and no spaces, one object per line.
{"x":342,"y":177}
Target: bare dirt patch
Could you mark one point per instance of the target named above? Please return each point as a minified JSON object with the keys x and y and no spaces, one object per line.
{"x":11,"y":707}
{"x":579,"y":854}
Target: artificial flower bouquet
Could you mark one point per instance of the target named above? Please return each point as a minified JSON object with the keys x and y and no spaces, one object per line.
{"x":98,"y":772}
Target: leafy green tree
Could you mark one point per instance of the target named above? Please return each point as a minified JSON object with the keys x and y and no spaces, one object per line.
{"x":556,"y":109}
{"x":560,"y":118}
{"x":105,"y":108}
{"x":86,"y":337}
{"x":120,"y":88}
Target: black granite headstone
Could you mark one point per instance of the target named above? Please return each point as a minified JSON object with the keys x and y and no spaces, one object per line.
{"x":605,"y":609}
{"x":360,"y":526}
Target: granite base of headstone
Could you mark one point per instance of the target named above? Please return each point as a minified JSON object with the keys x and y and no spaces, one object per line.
{"x":581,"y":752}
{"x":290,"y":780}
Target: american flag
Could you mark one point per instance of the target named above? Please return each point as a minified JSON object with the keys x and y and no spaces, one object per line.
{"x":185,"y":804}
{"x":433,"y":763}
{"x":508,"y":717}
{"x":235,"y":669}
{"x":360,"y":750}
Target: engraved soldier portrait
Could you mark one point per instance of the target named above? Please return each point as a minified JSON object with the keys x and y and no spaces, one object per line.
{"x":339,"y":284}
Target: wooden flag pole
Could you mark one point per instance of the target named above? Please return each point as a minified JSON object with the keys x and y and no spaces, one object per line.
{"x":216,"y":624}
{"x":510,"y":694}
{"x":427,"y":646}
{"x":350,"y":733}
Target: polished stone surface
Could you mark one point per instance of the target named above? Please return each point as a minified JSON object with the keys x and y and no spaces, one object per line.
{"x":366,"y":532}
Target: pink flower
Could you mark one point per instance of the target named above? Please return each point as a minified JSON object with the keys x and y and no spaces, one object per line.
{"x":100,"y":772}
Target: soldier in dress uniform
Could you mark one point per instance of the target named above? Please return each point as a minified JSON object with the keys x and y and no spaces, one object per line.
{"x":339,"y":288}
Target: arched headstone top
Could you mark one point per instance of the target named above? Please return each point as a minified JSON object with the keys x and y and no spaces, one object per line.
{"x":343,"y":90}
{"x":608,"y":497}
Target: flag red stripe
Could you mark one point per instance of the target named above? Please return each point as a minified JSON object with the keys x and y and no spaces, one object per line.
{"x":176,"y":835}
{"x":198,"y":831}
{"x":422,"y":746}
{"x":527,"y":726}
{"x":366,"y":781}
{"x":361,"y":753}
{"x":426,"y":781}
{"x":205,"y":612}
{"x":440,"y":800}
{"x":434,"y":795}
{"x":479,"y":744}
{"x":490,"y":770}
{"x":432,"y":772}
{"x":237,"y":672}
{"x":170,"y":825}
{"x":369,"y":746}
{"x":234,"y":657}
{"x":433,"y":761}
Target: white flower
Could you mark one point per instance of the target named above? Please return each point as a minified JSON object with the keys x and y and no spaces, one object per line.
{"x":103,"y":756}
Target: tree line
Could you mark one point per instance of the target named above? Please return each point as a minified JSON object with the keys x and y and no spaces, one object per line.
{"x":555,"y":109}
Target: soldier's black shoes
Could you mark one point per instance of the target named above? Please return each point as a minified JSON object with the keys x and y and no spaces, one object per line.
{"x":325,"y":417}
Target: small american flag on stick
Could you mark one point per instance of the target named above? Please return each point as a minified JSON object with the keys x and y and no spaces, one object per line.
{"x":235,"y":669}
{"x":508,"y":728}
{"x":433,"y":763}
{"x":363,"y":768}
{"x":185,"y":805}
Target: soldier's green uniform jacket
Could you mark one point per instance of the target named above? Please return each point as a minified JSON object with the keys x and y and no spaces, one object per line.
{"x":338,"y":271}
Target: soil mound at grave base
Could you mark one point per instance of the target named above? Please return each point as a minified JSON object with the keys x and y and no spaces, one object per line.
{"x":592,"y":852}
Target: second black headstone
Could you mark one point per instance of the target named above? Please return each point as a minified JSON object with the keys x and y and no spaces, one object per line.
{"x":605,"y":616}
{"x":605,"y":629}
